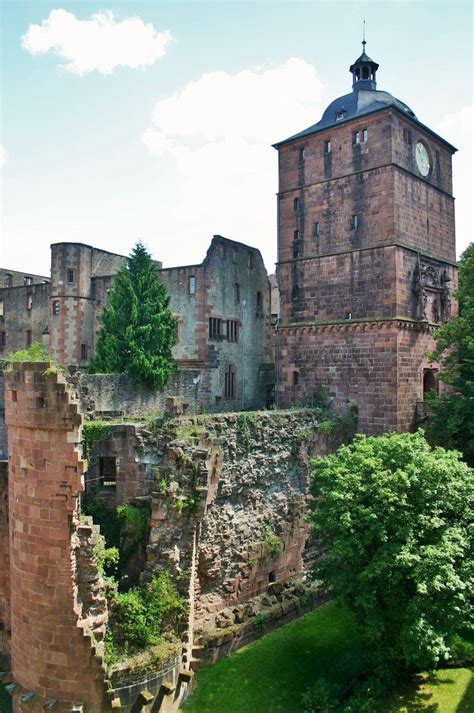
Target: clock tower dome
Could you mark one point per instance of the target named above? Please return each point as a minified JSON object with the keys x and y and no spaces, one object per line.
{"x":366,"y":255}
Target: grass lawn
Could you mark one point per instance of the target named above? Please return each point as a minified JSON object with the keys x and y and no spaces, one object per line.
{"x":270,"y":675}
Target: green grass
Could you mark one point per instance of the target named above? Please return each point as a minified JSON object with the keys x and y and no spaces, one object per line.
{"x":269,"y":675}
{"x":5,"y":700}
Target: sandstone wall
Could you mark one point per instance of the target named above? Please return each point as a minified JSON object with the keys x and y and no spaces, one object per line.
{"x":4,"y":562}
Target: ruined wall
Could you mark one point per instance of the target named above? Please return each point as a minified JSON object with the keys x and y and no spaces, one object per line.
{"x":56,"y":636}
{"x":5,"y":626}
{"x":25,"y":317}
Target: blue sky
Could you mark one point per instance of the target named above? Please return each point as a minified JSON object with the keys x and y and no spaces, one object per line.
{"x":99,"y":150}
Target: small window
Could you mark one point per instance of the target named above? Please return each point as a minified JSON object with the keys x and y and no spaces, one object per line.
{"x":27,"y":280}
{"x":354,"y":222}
{"x":250,"y":260}
{"x":317,"y":229}
{"x":8,"y":280}
{"x":232,"y":330}
{"x":302,"y":155}
{"x":192,"y":284}
{"x":222,"y":251}
{"x":71,"y":277}
{"x":229,"y":383}
{"x":259,"y":302}
{"x":237,"y":292}
{"x":29,"y":302}
{"x":55,"y":306}
{"x":2,"y":308}
{"x":296,"y":235}
{"x":296,"y":249}
{"x":365,"y":135}
{"x":271,"y":577}
{"x":215,"y":327}
{"x":28,"y":337}
{"x":295,"y":292}
{"x":108,"y":473}
{"x":295,"y":203}
{"x":356,"y":139}
{"x":296,"y":378}
{"x":327,"y":146}
{"x":3,"y":339}
{"x":83,"y":352}
{"x":407,"y":136}
{"x":41,"y":402}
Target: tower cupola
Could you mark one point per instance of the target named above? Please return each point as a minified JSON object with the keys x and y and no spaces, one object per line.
{"x":363,"y":71}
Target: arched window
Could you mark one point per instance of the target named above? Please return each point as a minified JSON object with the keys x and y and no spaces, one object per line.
{"x":430,"y":383}
{"x":365,"y":72}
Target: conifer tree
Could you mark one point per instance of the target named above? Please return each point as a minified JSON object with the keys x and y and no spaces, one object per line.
{"x":138,"y":330}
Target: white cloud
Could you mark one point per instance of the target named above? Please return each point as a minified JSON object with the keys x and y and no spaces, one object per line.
{"x":3,"y":156}
{"x":456,"y":128}
{"x":219,"y":130}
{"x":99,"y":44}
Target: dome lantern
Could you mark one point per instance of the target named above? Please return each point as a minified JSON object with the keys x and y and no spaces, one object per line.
{"x":364,"y":71}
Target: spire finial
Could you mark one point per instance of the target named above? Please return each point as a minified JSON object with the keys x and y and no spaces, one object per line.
{"x":363,"y":36}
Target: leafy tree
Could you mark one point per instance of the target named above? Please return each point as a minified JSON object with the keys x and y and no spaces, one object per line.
{"x":138,"y":329}
{"x":395,"y":519}
{"x":452,"y":421}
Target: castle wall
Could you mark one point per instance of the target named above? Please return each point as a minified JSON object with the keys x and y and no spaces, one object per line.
{"x":25,"y":317}
{"x":53,"y":656}
{"x":5,"y":624}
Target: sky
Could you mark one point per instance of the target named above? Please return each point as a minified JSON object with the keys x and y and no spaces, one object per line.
{"x":154,"y":120}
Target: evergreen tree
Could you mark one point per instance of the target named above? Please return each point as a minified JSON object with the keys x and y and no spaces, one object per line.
{"x":138,"y":330}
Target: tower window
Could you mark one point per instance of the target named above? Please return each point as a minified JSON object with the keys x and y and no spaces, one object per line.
{"x":295,"y":203}
{"x":27,"y":280}
{"x":259,"y":303}
{"x":302,"y":155}
{"x":356,"y":139}
{"x":29,"y":302}
{"x":191,"y":284}
{"x":8,"y":280}
{"x":229,"y":382}
{"x":365,"y":134}
{"x":354,"y":222}
{"x":250,"y":260}
{"x":237,"y":292}
{"x":56,"y":307}
{"x":327,"y":146}
{"x":83,"y":352}
{"x":317,"y":229}
{"x":108,"y":473}
{"x":296,"y":235}
{"x":71,"y":277}
{"x":296,"y":378}
{"x":215,"y":328}
{"x":28,"y":337}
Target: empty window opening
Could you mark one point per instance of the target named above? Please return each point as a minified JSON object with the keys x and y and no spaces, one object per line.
{"x":28,"y":337}
{"x":295,"y":292}
{"x":108,"y":473}
{"x":192,"y":284}
{"x":237,"y":292}
{"x":29,"y":302}
{"x":296,"y":378}
{"x":356,"y":139}
{"x":229,"y":382}
{"x":327,"y":146}
{"x":354,"y":222}
{"x":2,"y":308}
{"x":296,"y":249}
{"x":317,"y":229}
{"x":8,"y":280}
{"x":40,"y":402}
{"x":14,"y":396}
{"x":27,"y":280}
{"x":232,"y":330}
{"x":296,"y":235}
{"x":3,"y":339}
{"x":271,"y":577}
{"x":56,"y":307}
{"x":302,"y":155}
{"x":365,"y":135}
{"x":215,"y":327}
{"x":296,"y":203}
{"x":259,"y":302}
{"x":430,"y":384}
{"x":365,"y":72}
{"x":84,"y":352}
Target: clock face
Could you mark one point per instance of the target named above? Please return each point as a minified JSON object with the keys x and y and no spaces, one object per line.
{"x":422,"y":159}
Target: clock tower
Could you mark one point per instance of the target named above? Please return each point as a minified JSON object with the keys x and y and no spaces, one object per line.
{"x":366,"y":255}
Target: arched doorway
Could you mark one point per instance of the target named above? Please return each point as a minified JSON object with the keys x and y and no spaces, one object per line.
{"x":430,"y":383}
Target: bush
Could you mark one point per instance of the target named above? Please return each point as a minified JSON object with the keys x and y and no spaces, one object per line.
{"x":323,"y":697}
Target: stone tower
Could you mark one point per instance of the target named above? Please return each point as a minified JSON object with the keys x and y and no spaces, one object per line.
{"x":366,"y":255}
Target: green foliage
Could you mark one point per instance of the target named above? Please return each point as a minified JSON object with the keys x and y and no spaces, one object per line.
{"x":140,"y":616}
{"x":246,"y":424}
{"x":272,"y":542}
{"x":36,"y":352}
{"x":397,"y":522}
{"x":138,"y":329}
{"x":452,"y":421}
{"x":322,"y":697}
{"x":93,"y":432}
{"x":260,"y":622}
{"x":186,"y":504}
{"x":107,"y":557}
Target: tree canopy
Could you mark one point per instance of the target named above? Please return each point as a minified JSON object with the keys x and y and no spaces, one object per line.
{"x":452,"y":421}
{"x":138,"y":330}
{"x":395,"y":519}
